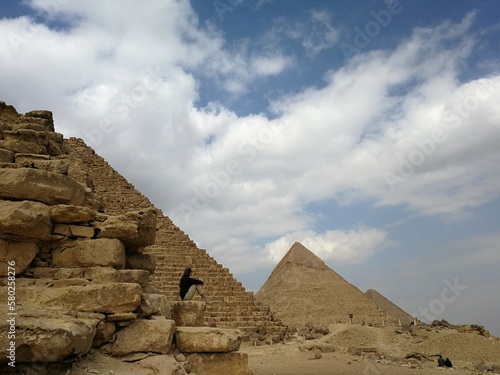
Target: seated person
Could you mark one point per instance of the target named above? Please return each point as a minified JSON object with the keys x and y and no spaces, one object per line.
{"x":189,"y":286}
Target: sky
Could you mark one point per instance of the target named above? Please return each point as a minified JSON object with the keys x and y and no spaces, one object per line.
{"x":368,"y":131}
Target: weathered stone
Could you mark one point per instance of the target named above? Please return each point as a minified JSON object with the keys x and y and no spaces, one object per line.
{"x":23,"y":147}
{"x":113,"y":298}
{"x":155,"y":304}
{"x":217,"y":363}
{"x":145,"y":336}
{"x":101,"y":275}
{"x":22,"y":254}
{"x":89,"y":253}
{"x":164,"y":365}
{"x":70,"y":282}
{"x":25,"y":219}
{"x":6,"y":156}
{"x":138,"y":261}
{"x":68,"y":214}
{"x":134,"y":229}
{"x":207,"y":340}
{"x":82,"y":231}
{"x":44,"y":336}
{"x":121,"y":317}
{"x":41,"y":114}
{"x":8,"y":112}
{"x":104,"y":334}
{"x":57,"y":273}
{"x":41,"y":186}
{"x":32,"y":136}
{"x":30,"y":126}
{"x":188,"y":313}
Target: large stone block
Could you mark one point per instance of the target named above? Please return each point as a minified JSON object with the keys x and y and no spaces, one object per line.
{"x":41,"y":186}
{"x":25,"y":219}
{"x":23,"y":147}
{"x":155,"y":304}
{"x":104,"y":252}
{"x":21,"y":253}
{"x":138,"y":261}
{"x":6,"y":156}
{"x":113,"y":298}
{"x":144,"y":336}
{"x":163,"y":365}
{"x":217,"y":363}
{"x":134,"y":229}
{"x":67,"y":214}
{"x":140,"y":277}
{"x":188,"y":313}
{"x":208,"y":340}
{"x":45,"y":336}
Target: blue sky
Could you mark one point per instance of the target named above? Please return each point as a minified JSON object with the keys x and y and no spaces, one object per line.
{"x":366,"y":130}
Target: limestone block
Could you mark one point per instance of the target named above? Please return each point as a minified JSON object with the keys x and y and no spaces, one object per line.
{"x":23,"y":147}
{"x":188,"y":313}
{"x":32,"y":136}
{"x":104,"y":334}
{"x":82,"y":231}
{"x":145,"y":336}
{"x":140,"y":277}
{"x":21,"y":253}
{"x":104,"y":252}
{"x":207,"y":339}
{"x":25,"y":219}
{"x":30,"y":126}
{"x":41,"y":186}
{"x":163,"y":365}
{"x":40,"y":114}
{"x":134,"y":229}
{"x":42,"y":336}
{"x":63,"y":213}
{"x":217,"y":363}
{"x":113,"y":298}
{"x":138,"y":261}
{"x":155,"y":304}
{"x":56,"y":166}
{"x":57,"y":273}
{"x":6,"y":156}
{"x":8,"y":112}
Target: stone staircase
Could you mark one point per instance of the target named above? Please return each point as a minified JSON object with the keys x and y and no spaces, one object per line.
{"x":232,"y":306}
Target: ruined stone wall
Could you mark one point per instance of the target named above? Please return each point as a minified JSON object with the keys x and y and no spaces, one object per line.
{"x":173,"y":251}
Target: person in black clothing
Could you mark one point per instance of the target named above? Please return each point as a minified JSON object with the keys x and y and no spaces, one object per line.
{"x":189,"y":286}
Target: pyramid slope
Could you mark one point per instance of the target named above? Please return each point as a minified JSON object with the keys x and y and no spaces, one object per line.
{"x":300,"y":294}
{"x":388,"y":306}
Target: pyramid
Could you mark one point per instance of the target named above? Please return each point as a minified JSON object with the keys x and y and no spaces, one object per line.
{"x":303,"y":290}
{"x":232,"y":307}
{"x":393,"y":310}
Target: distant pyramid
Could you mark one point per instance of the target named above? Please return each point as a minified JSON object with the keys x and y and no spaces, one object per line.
{"x":302,"y":289}
{"x":393,"y":310}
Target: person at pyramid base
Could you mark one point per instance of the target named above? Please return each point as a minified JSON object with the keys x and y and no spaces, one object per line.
{"x":189,"y":287}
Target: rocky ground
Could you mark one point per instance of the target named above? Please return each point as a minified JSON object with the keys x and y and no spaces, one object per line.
{"x":347,"y":349}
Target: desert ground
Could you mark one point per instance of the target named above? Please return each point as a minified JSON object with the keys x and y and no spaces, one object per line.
{"x":333,"y":354}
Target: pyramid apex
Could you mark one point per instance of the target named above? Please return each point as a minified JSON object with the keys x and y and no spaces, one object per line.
{"x":302,"y":256}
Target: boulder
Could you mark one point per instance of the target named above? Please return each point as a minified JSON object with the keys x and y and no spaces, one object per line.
{"x":41,"y":186}
{"x":21,"y":253}
{"x":104,"y":252}
{"x":163,"y":365}
{"x":217,"y":363}
{"x":134,"y":229}
{"x":188,"y":313}
{"x":155,"y":304}
{"x":45,"y":336}
{"x":63,"y":213}
{"x":113,"y":298}
{"x":207,"y":339}
{"x":25,"y":219}
{"x":139,"y":261}
{"x":144,"y":336}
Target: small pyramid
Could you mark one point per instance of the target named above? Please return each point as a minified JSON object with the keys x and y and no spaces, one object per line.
{"x":393,"y":310}
{"x":303,"y":290}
